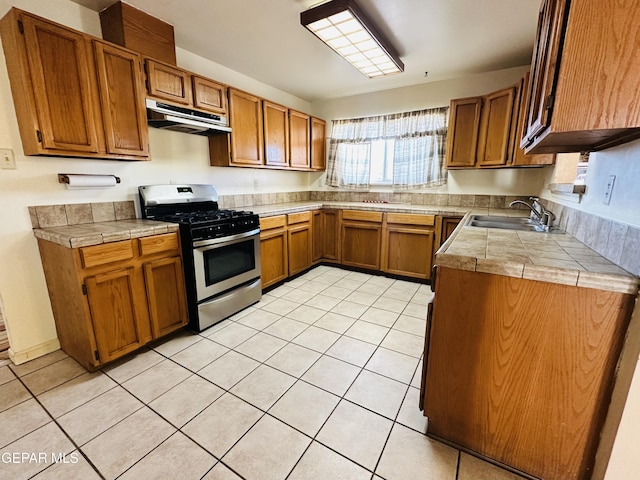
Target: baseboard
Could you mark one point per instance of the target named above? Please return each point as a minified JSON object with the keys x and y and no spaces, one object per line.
{"x":22,"y":356}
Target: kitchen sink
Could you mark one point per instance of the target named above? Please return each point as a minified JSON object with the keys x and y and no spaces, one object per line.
{"x":509,"y":223}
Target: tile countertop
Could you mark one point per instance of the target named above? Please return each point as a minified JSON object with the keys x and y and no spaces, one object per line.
{"x":556,"y":257}
{"x":85,"y":234}
{"x":547,"y":257}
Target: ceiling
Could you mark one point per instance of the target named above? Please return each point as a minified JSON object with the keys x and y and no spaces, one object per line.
{"x":264,"y":40}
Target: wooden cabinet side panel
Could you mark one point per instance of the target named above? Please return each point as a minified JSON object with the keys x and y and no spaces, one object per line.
{"x":317,"y":235}
{"x":521,"y":370}
{"x":70,"y":309}
{"x":122,"y":98}
{"x":166,"y":295}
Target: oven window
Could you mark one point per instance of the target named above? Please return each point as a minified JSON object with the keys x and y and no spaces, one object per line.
{"x":226,"y":262}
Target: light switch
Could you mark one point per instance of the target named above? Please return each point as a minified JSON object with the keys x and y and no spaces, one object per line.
{"x":609,"y":189}
{"x":7,"y":160}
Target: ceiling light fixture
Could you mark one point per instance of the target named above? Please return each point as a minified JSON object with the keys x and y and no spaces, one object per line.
{"x":344,"y":27}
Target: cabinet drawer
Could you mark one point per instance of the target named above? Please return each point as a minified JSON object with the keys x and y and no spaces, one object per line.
{"x":362,"y":215}
{"x":411,"y":219}
{"x":273,"y":222}
{"x":158,"y":243}
{"x":294,"y":218}
{"x":106,"y":253}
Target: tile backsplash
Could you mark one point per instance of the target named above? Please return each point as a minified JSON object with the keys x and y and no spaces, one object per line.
{"x":44,"y":216}
{"x":617,"y":242}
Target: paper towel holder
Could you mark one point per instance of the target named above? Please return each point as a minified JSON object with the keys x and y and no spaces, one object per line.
{"x":64,"y":177}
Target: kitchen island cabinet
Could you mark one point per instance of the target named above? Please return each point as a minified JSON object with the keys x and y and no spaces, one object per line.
{"x":112,"y":298}
{"x":71,"y":90}
{"x":520,"y":359}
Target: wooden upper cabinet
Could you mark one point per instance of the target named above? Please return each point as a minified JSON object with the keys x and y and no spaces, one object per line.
{"x":495,"y":125}
{"x":517,"y":156}
{"x":462,"y":134}
{"x":53,"y":90}
{"x":209,"y":95}
{"x":74,"y":95}
{"x":583,"y":87}
{"x":245,"y":114}
{"x":300,"y":143}
{"x":167,"y":82}
{"x":276,"y":134}
{"x":122,"y":99}
{"x":318,"y":143}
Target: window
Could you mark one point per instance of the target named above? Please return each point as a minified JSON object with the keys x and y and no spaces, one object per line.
{"x":402,"y":150}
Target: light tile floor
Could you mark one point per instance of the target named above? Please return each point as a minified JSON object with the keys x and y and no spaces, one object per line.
{"x":319,"y":380}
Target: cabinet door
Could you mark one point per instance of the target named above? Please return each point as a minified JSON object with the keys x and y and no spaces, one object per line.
{"x":299,"y":239}
{"x":318,"y":144}
{"x":63,"y":87}
{"x":167,"y":82}
{"x":495,"y":128}
{"x":462,"y":135}
{"x":449,"y":224}
{"x":209,"y":95}
{"x":361,"y":244}
{"x":408,"y":251}
{"x":245,"y":115}
{"x":116,"y":322}
{"x":518,"y":157}
{"x":122,"y":98}
{"x":273,"y":256}
{"x":317,"y":235}
{"x":300,"y":135}
{"x":544,"y":68}
{"x":276,"y":134}
{"x":165,"y":294}
{"x":330,"y":235}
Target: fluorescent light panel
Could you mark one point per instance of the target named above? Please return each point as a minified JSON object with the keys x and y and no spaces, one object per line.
{"x":345,"y":29}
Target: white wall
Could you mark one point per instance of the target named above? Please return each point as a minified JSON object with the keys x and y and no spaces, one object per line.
{"x":176,"y":157}
{"x":439,"y":94}
{"x":623,"y":162}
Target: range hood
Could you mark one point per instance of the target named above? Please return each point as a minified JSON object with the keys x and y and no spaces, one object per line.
{"x":180,"y":119}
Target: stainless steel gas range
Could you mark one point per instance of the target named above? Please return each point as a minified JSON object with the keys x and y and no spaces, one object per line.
{"x":221,"y":249}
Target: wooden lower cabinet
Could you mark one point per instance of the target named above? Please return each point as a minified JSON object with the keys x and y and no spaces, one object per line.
{"x":407,"y":244}
{"x":300,"y":241}
{"x":273,"y":250}
{"x":112,"y":298}
{"x":317,"y":235}
{"x":326,"y":234}
{"x":521,"y":371}
{"x":444,"y":228}
{"x":361,"y":238}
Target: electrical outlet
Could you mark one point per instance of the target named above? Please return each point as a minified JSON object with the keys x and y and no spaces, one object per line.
{"x":608,"y":189}
{"x":7,"y":160}
{"x":256,"y":184}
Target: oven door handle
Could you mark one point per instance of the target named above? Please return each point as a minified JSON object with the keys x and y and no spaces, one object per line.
{"x":230,"y":238}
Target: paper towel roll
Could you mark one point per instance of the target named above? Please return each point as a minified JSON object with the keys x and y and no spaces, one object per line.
{"x":74,"y":181}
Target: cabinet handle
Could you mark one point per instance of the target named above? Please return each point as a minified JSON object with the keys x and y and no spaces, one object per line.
{"x":434,"y":272}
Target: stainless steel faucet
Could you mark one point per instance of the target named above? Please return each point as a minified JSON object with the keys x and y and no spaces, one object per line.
{"x":539,"y":213}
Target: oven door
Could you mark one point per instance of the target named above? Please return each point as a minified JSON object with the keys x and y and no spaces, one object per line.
{"x":224,"y":263}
